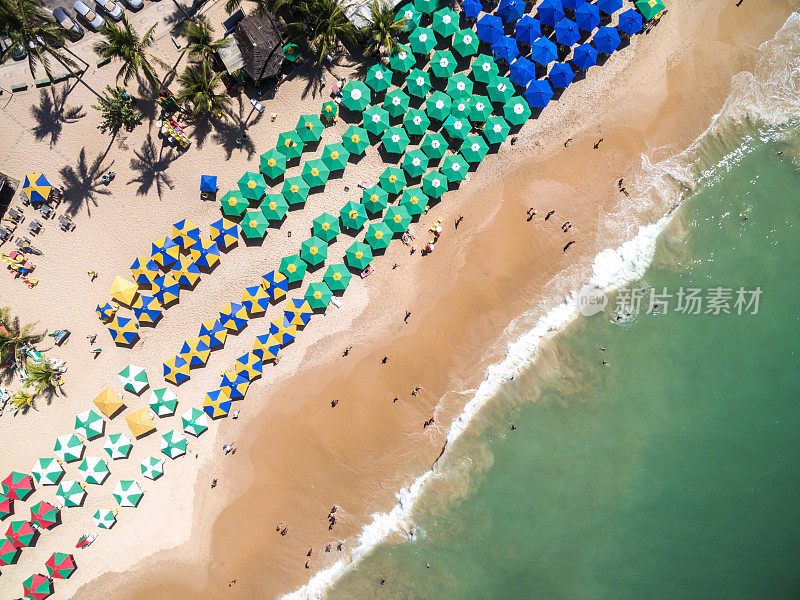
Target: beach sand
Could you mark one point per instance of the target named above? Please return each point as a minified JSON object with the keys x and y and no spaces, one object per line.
{"x":297,"y":456}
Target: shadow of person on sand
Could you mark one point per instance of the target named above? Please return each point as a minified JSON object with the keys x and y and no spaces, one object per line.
{"x":82,"y":182}
{"x":151,"y":164}
{"x":52,"y":113}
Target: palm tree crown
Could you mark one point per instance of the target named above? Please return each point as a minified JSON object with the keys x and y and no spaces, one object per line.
{"x":198,"y":88}
{"x":200,"y":36}
{"x":383,"y":30}
{"x":42,"y":377}
{"x":122,"y":42}
{"x":323,"y":23}
{"x":13,"y":336}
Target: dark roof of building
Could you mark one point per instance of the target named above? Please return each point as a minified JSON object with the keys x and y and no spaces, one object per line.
{"x":260,"y":44}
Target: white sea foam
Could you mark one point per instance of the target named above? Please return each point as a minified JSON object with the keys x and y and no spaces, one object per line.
{"x":771,"y":97}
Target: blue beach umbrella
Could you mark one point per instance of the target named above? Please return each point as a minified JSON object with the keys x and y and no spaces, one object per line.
{"x":543,"y":51}
{"x":561,"y":75}
{"x":606,"y":40}
{"x":587,"y":16}
{"x":550,"y":12}
{"x":630,"y":22}
{"x":471,"y":8}
{"x":511,"y":10}
{"x":489,"y":28}
{"x":208,"y":183}
{"x":584,"y":56}
{"x":266,"y":347}
{"x":570,"y":4}
{"x":217,"y":404}
{"x":538,"y":93}
{"x":523,"y":71}
{"x":505,"y":48}
{"x":567,"y":32}
{"x":527,"y":30}
{"x":609,"y":6}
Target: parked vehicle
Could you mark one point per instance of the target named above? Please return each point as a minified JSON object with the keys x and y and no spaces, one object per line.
{"x":134,"y":4}
{"x":68,"y":23}
{"x":18,"y":53}
{"x":111,"y":8}
{"x":91,"y":17}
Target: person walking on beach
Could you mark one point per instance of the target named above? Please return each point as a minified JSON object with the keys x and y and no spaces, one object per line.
{"x":597,"y":143}
{"x":548,"y":215}
{"x":407,"y":317}
{"x":334,"y":403}
{"x":92,"y":275}
{"x":567,"y":142}
{"x":566,"y":226}
{"x":385,"y":358}
{"x":347,"y":351}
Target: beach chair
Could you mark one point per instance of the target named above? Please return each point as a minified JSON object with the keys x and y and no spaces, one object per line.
{"x":16,"y":214}
{"x":46,"y":210}
{"x":35,"y":226}
{"x":65,"y":223}
{"x":4,"y":234}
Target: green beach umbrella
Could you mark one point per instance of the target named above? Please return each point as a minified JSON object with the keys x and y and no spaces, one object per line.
{"x":465,"y":42}
{"x":356,"y":95}
{"x":47,"y":471}
{"x":414,"y":201}
{"x":422,"y":40}
{"x":274,"y":207}
{"x":379,"y":78}
{"x":252,"y":185}
{"x":233,"y":204}
{"x":93,"y":470}
{"x":133,"y":379}
{"x":295,"y":190}
{"x":378,"y":236}
{"x":418,"y":83}
{"x":358,"y":256}
{"x":337,"y":277}
{"x":293,"y":267}
{"x":173,"y":444}
{"x":152,"y":467}
{"x":318,"y":295}
{"x":194,"y":421}
{"x":325,"y":227}
{"x":474,"y":149}
{"x":375,"y":199}
{"x":443,"y":63}
{"x":254,"y":224}
{"x":460,"y":108}
{"x":416,"y":122}
{"x":438,"y":105}
{"x":163,"y":402}
{"x":516,"y":110}
{"x":68,"y":448}
{"x":496,"y":130}
{"x":500,"y":89}
{"x":289,"y":144}
{"x":393,"y":180}
{"x":376,"y":120}
{"x":71,"y":493}
{"x":309,"y":128}
{"x":480,"y":109}
{"x":291,"y":52}
{"x":397,"y":219}
{"x":127,"y":493}
{"x":396,"y":102}
{"x":395,"y":140}
{"x":104,"y":518}
{"x":89,"y":425}
{"x":329,"y":110}
{"x":335,"y":157}
{"x":434,"y":184}
{"x":353,"y":215}
{"x":314,"y":251}
{"x":118,"y":445}
{"x":426,"y":6}
{"x":459,"y":87}
{"x":649,"y":8}
{"x":445,"y":22}
{"x":434,"y":146}
{"x":273,"y":163}
{"x":455,"y":168}
{"x":316,"y":173}
{"x":415,"y":162}
{"x":484,"y":68}
{"x":410,"y":14}
{"x":457,"y":128}
{"x":355,"y":139}
{"x":402,"y":60}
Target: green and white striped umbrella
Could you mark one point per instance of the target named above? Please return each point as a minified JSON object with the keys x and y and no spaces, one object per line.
{"x":118,"y":446}
{"x":153,"y":467}
{"x":163,"y":402}
{"x":173,"y":444}
{"x":47,"y":471}
{"x":93,"y":470}
{"x":194,"y":421}
{"x":71,"y":493}
{"x":133,"y":379}
{"x":127,"y":493}
{"x":68,"y":448}
{"x":104,"y":518}
{"x":89,"y":424}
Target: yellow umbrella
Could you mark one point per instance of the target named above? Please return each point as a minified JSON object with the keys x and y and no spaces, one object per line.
{"x":140,"y":422}
{"x":123,"y":290}
{"x":108,"y":402}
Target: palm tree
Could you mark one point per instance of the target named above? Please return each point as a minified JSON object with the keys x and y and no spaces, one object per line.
{"x":42,"y":377}
{"x":323,"y":23}
{"x":198,"y":88}
{"x":122,"y":42}
{"x":200,"y":36}
{"x":13,"y":336}
{"x":23,"y":400}
{"x":383,"y":30}
{"x":262,"y":8}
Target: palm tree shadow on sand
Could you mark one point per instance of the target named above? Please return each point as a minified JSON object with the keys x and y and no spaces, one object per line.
{"x":151,"y":163}
{"x":52,"y":113}
{"x":229,"y":133}
{"x":82,"y":182}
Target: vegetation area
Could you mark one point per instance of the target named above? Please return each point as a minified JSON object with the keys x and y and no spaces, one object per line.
{"x":199,"y":83}
{"x":117,"y":109}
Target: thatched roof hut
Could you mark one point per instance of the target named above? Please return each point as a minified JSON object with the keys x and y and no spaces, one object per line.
{"x":261,"y":46}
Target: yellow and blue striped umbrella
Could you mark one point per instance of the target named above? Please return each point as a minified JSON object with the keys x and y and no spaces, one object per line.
{"x":166,"y":289}
{"x":147,"y":309}
{"x":205,"y":253}
{"x":298,"y":311}
{"x":105,"y":311}
{"x":225,"y":233}
{"x":283,"y":330}
{"x":195,"y":351}
{"x":124,"y":330}
{"x":176,"y":370}
{"x":233,"y":317}
{"x":36,"y":187}
{"x":266,"y":347}
{"x":255,"y":300}
{"x":249,"y":365}
{"x":185,"y":233}
{"x":213,"y":333}
{"x":217,"y":404}
{"x":186,"y":272}
{"x":144,"y":270}
{"x":165,"y":252}
{"x":276,"y":284}
{"x":234,"y":385}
